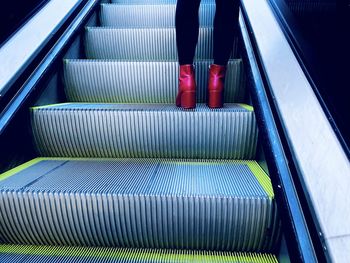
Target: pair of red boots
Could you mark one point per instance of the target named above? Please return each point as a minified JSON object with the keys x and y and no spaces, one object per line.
{"x":186,"y":97}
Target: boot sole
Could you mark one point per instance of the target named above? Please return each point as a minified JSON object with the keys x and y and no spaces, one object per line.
{"x":216,"y":99}
{"x":188,"y":99}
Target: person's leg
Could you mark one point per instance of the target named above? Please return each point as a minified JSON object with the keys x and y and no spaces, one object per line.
{"x":187,"y":28}
{"x":225,"y":27}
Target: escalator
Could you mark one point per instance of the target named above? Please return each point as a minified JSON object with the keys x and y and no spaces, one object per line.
{"x":108,"y":169}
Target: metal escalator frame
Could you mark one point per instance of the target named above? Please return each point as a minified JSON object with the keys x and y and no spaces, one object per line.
{"x":301,"y":50}
{"x":53,"y":54}
{"x":43,"y":28}
{"x":316,"y":156}
{"x":20,"y":23}
{"x":300,"y":246}
{"x":278,"y":166}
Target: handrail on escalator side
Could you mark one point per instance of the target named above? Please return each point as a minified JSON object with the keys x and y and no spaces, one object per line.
{"x":12,"y":29}
{"x":306,"y":134}
{"x":301,"y":50}
{"x":47,"y":59}
{"x":299,"y":243}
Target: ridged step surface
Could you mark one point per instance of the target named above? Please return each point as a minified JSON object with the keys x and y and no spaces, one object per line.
{"x":141,"y":82}
{"x":142,"y":44}
{"x":41,"y":254}
{"x":153,"y":203}
{"x":141,"y":16}
{"x":152,"y":2}
{"x":145,"y":130}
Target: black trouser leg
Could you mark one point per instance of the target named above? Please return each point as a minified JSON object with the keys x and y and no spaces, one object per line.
{"x":187,"y":28}
{"x":225,"y":27}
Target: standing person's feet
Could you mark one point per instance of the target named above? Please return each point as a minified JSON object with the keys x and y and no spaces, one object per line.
{"x":216,"y":86}
{"x":186,"y":97}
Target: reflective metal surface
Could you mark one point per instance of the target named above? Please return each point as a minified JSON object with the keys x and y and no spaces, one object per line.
{"x":143,"y":44}
{"x":141,"y":203}
{"x":116,"y":81}
{"x":300,"y":247}
{"x":22,"y":47}
{"x":145,"y":130}
{"x":44,"y":254}
{"x":146,"y":16}
{"x":318,"y":154}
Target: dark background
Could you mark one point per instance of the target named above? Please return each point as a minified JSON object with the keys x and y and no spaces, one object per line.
{"x":320,"y":32}
{"x":13,"y":14}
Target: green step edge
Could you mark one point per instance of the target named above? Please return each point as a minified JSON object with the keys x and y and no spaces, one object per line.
{"x":19,"y":168}
{"x":255,"y":168}
{"x":246,"y":106}
{"x":262,"y":177}
{"x":138,"y":254}
{"x":49,"y":105}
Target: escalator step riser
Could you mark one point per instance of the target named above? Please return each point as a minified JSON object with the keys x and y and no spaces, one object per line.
{"x":150,"y":130}
{"x":207,"y":205}
{"x":40,"y":254}
{"x":143,"y":16}
{"x":153,"y":2}
{"x":143,"y":44}
{"x":141,"y":82}
{"x":154,"y":232}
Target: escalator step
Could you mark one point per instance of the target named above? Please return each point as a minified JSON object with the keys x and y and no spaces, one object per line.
{"x":116,"y":15}
{"x":142,"y":44}
{"x":145,"y":130}
{"x":149,"y":203}
{"x":153,"y":2}
{"x":141,"y":82}
{"x":40,"y":254}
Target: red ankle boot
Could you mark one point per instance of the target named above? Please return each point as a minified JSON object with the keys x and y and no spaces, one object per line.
{"x":216,"y":86}
{"x":186,"y":97}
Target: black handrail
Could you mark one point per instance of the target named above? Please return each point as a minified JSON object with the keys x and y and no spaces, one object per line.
{"x":299,"y":242}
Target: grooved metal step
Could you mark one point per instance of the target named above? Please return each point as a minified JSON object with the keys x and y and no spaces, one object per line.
{"x":144,"y":130}
{"x":153,"y":2}
{"x":140,"y":16}
{"x":153,"y":203}
{"x":141,"y":82}
{"x":41,"y":254}
{"x":142,"y":44}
